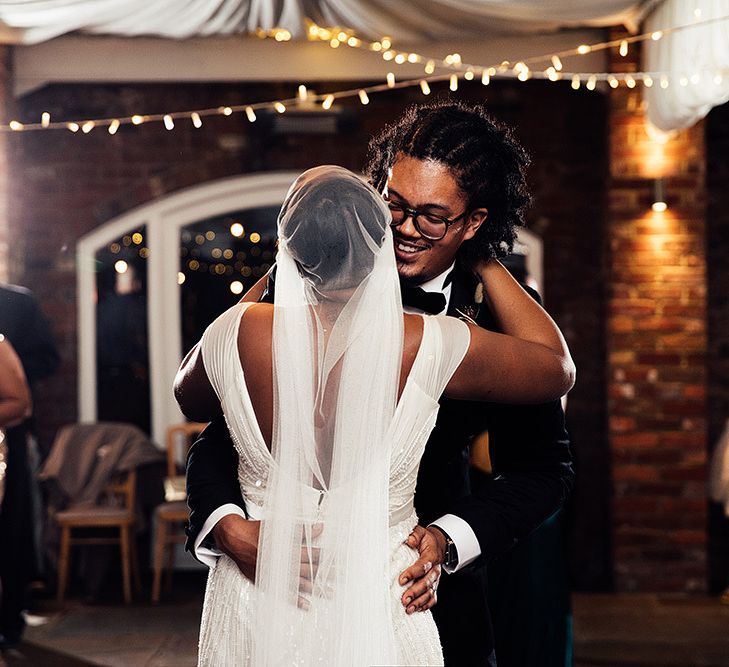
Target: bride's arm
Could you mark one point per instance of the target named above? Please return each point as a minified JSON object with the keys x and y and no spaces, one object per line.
{"x":15,"y":403}
{"x":528,"y":363}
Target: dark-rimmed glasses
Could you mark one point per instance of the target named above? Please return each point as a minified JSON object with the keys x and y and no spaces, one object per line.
{"x":430,"y":226}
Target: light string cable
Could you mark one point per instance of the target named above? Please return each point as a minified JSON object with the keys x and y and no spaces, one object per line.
{"x":518,"y":70}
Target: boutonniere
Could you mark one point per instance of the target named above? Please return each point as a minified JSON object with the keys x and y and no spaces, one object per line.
{"x":470,"y":312}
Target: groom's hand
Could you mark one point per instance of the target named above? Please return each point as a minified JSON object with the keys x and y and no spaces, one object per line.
{"x":238,"y":538}
{"x":423,"y":575}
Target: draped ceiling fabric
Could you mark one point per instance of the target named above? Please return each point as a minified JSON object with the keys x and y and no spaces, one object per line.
{"x":702,"y":49}
{"x":404,"y":20}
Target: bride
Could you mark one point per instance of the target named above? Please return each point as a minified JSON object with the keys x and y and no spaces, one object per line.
{"x":330,"y":395}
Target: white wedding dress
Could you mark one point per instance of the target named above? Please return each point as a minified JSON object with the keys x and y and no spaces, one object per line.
{"x":227,"y":635}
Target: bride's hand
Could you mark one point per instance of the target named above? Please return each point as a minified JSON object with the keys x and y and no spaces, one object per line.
{"x":425,"y":573}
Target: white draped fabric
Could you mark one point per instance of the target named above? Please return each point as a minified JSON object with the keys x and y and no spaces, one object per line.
{"x":404,"y":20}
{"x":699,"y":55}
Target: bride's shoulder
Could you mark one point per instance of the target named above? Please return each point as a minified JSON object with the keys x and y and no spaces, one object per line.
{"x":257,"y":318}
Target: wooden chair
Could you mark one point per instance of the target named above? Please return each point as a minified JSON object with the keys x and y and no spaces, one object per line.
{"x":173,"y":514}
{"x":120,"y":516}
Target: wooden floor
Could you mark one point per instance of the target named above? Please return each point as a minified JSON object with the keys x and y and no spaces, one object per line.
{"x":610,"y":631}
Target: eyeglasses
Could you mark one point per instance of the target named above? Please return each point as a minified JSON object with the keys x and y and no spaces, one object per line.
{"x":429,"y":226}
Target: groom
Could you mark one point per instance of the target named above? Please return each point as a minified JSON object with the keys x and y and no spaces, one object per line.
{"x":445,"y":169}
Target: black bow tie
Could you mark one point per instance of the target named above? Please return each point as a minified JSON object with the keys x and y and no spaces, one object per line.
{"x":428,"y":302}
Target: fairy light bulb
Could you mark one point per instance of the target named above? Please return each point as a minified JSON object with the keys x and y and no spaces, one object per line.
{"x":552,"y":74}
{"x":328,"y":101}
{"x":425,"y":87}
{"x":353,"y":42}
{"x":45,"y":119}
{"x":279,"y":107}
{"x":334,"y":43}
{"x":137,"y":119}
{"x":114,"y":126}
{"x":454,"y":82}
{"x":613,"y":82}
{"x":413,"y":58}
{"x":376,"y":46}
{"x":16,"y":126}
{"x":485,"y":77}
{"x":73,"y":127}
{"x":226,"y":111}
{"x":169,"y":123}
{"x":430,"y":67}
{"x":664,"y":81}
{"x":575,"y":81}
{"x":623,"y":50}
{"x":388,"y":55}
{"x":196,"y":120}
{"x":88,"y":126}
{"x":363,"y":97}
{"x":303,"y":94}
{"x":400,"y":58}
{"x":655,"y":36}
{"x":390,"y":80}
{"x":251,"y":114}
{"x":583,"y":49}
{"x":629,"y":81}
{"x":591,"y":82}
{"x":647,"y":81}
{"x":386,"y":42}
{"x":557,"y":63}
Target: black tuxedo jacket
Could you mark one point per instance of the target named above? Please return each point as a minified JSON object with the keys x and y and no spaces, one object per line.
{"x":532,"y":477}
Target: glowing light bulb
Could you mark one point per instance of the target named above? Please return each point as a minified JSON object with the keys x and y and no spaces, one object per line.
{"x":390,"y":80}
{"x":236,"y":287}
{"x":623,"y":50}
{"x":169,"y":122}
{"x":425,"y":87}
{"x":647,"y":81}
{"x":251,"y":115}
{"x":613,"y":82}
{"x":655,"y":36}
{"x":328,"y":101}
{"x":363,"y":97}
{"x":454,"y":82}
{"x":279,"y":107}
{"x":400,"y":58}
{"x":120,"y":266}
{"x":180,"y":278}
{"x":45,"y":119}
{"x":114,"y":126}
{"x":591,"y":82}
{"x":557,"y":63}
{"x":485,"y":77}
{"x":137,"y":119}
{"x":236,"y":229}
{"x":629,"y":81}
{"x":196,"y":120}
{"x":582,"y":49}
{"x":15,"y":125}
{"x":88,"y":126}
{"x":430,"y":67}
{"x":303,"y":93}
{"x":73,"y":127}
{"x":575,"y":82}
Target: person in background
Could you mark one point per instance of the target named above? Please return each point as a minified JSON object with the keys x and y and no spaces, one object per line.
{"x":15,"y":509}
{"x":23,"y":324}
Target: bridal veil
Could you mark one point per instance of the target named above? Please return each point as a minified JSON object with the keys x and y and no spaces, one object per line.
{"x":323,"y":562}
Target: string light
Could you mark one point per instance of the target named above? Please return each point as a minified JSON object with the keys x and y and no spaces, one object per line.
{"x":400,"y":58}
{"x":363,"y":97}
{"x":521,"y":69}
{"x":425,"y":87}
{"x":334,"y":43}
{"x":169,"y":123}
{"x":623,"y":50}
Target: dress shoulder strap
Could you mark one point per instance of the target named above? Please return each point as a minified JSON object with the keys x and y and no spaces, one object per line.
{"x":444,"y":344}
{"x":219,"y":347}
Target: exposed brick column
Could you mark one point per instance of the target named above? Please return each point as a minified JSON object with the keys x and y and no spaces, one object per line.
{"x":4,"y":104}
{"x":657,"y":343}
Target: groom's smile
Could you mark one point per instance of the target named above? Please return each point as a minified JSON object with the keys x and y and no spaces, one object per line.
{"x":427,"y":187}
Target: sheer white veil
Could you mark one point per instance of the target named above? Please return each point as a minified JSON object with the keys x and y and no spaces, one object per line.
{"x":337,"y":349}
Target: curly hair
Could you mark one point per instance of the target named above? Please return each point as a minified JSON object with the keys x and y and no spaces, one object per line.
{"x":488,"y":163}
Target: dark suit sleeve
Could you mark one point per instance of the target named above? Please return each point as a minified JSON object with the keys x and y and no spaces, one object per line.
{"x":532,"y":470}
{"x":35,"y":344}
{"x":212,"y":477}
{"x":532,"y":475}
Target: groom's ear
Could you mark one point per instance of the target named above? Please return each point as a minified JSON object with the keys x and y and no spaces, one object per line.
{"x":475,"y":219}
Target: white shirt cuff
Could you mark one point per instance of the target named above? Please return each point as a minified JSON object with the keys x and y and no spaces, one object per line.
{"x":463,"y":537}
{"x":207,"y":555}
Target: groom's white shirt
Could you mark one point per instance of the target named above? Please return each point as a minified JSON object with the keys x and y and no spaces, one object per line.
{"x":457,"y":529}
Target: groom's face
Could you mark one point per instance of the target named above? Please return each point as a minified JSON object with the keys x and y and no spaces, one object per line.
{"x":429,"y":187}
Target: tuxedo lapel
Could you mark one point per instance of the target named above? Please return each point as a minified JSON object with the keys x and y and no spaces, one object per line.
{"x":463,"y":293}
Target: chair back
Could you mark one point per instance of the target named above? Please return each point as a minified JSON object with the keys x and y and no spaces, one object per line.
{"x":179,"y":440}
{"x":121,"y":490}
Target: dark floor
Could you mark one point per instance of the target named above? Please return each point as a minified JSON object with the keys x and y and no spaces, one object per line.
{"x":610,"y":631}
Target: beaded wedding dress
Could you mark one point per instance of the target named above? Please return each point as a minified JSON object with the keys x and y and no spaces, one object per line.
{"x":339,"y":479}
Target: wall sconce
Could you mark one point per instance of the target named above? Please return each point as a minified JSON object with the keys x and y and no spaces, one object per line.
{"x":659,"y":196}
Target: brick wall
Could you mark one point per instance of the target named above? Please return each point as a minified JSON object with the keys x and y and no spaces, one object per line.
{"x":656,"y":352}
